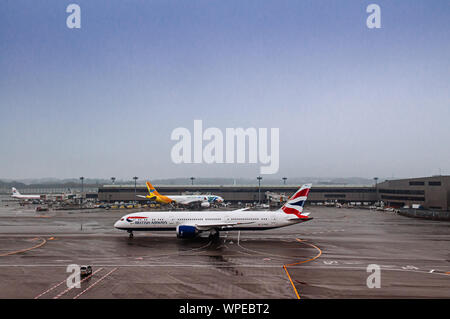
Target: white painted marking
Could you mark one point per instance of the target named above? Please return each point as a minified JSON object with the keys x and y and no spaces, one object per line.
{"x":409,"y":267}
{"x":95,"y":283}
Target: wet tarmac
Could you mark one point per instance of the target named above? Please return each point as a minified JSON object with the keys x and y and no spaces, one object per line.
{"x":324,"y":258}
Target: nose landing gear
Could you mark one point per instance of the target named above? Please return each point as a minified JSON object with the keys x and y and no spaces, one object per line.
{"x":130,"y":234}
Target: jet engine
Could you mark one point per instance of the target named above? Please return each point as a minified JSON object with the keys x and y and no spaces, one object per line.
{"x":205,"y":204}
{"x":184,"y":231}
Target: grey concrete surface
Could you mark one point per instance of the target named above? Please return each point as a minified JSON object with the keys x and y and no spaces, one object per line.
{"x":35,"y":249}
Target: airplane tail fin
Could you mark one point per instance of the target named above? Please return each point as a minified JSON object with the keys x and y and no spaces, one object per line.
{"x":151,"y":189}
{"x":295,"y":204}
{"x":15,"y":191}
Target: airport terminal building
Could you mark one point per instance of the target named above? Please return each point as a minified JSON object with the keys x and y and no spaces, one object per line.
{"x":429,"y":192}
{"x":243,"y":194}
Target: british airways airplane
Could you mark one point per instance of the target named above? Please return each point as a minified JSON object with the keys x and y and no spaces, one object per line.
{"x":190,"y":224}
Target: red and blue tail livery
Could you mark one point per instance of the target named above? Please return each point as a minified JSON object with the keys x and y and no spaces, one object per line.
{"x":295,"y":204}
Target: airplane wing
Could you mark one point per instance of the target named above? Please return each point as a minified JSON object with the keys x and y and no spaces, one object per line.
{"x":241,"y":209}
{"x":141,"y":196}
{"x":219,"y":225}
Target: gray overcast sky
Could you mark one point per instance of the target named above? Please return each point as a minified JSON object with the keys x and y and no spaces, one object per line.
{"x":103,"y":100}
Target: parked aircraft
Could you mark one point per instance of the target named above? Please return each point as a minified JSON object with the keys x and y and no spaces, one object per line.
{"x":201,"y":200}
{"x":17,"y":195}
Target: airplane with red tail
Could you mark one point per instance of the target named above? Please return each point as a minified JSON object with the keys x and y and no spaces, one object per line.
{"x":188,"y":224}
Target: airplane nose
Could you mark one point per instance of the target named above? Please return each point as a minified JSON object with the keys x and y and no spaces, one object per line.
{"x":117,"y":224}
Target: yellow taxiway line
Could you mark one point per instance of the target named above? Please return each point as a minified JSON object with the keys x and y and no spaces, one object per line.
{"x":301,"y":262}
{"x":44,"y":241}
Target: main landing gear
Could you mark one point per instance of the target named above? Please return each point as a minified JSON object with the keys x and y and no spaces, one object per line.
{"x":130,"y":234}
{"x":214,"y":235}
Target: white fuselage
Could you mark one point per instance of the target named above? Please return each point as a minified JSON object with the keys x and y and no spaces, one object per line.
{"x":185,"y":198}
{"x":206,"y":220}
{"x":188,"y":199}
{"x":26,"y":196}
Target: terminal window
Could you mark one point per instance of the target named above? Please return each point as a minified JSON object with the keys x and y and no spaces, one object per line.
{"x":410,"y":198}
{"x":415,"y":183}
{"x":402,"y":191}
{"x":434,"y":183}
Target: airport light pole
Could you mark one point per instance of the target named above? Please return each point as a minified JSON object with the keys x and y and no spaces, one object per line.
{"x":376,"y":187}
{"x":135,"y":179}
{"x":82,"y":189}
{"x":259,"y":178}
{"x":113,"y":179}
{"x":192,"y":180}
{"x":284,"y":180}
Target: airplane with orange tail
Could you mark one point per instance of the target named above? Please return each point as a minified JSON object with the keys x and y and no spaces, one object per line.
{"x":202,"y":200}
